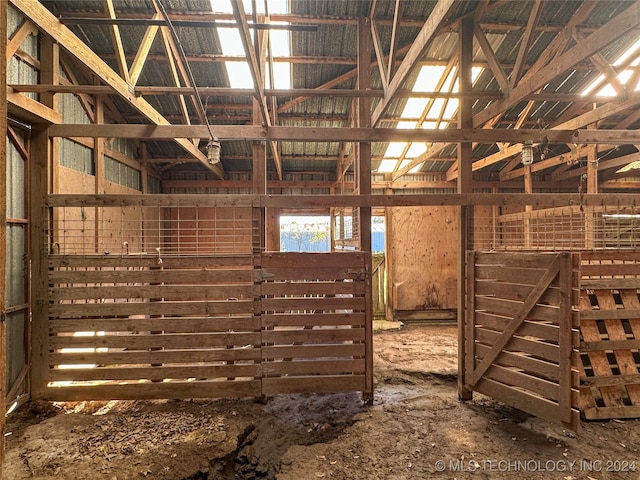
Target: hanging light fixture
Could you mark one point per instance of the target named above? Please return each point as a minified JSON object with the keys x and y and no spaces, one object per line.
{"x":527,"y":152}
{"x":213,"y":151}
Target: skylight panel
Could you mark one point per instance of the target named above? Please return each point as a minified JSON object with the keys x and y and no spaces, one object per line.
{"x":387,"y":166}
{"x":238,"y":72}
{"x":623,"y":77}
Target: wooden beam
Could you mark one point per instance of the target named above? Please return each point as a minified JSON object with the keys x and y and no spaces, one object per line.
{"x":65,"y":37}
{"x":537,"y":200}
{"x":24,"y":30}
{"x":143,"y":51}
{"x":327,"y":134}
{"x":416,"y":51}
{"x":380,"y":57}
{"x":464,"y":186}
{"x":494,"y":63}
{"x":525,"y":42}
{"x":31,"y":110}
{"x":114,"y":31}
{"x":3,"y":232}
{"x":393,"y":47}
{"x":605,"y":35}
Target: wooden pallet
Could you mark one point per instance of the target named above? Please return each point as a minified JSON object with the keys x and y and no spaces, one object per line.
{"x":610,"y":338}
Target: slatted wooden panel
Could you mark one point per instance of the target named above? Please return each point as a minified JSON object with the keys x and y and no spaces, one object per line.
{"x":314,"y":318}
{"x":610,"y":334}
{"x":132,"y":327}
{"x":520,"y":330}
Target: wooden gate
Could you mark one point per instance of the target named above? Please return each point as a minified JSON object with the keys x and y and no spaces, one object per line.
{"x":519,"y":329}
{"x":215,"y":325}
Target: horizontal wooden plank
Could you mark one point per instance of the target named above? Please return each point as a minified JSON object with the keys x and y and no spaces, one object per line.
{"x":518,"y":260}
{"x":175,"y":356}
{"x":159,"y":390}
{"x":610,"y":283}
{"x":499,"y":306}
{"x":184,"y":277}
{"x":165,"y":340}
{"x":154,"y":373}
{"x":312,"y":367}
{"x":312,"y":319}
{"x":164,"y":324}
{"x":610,"y":255}
{"x":535,"y":348}
{"x":498,"y":273}
{"x":312,"y":274}
{"x":603,"y":413}
{"x":313,"y":351}
{"x":178,"y":292}
{"x":192,"y":308}
{"x":535,"y":366}
{"x":310,"y":303}
{"x":312,"y":288}
{"x":609,"y":345}
{"x":609,"y":314}
{"x":545,"y":331}
{"x":338,"y":260}
{"x":533,"y":404}
{"x":316,"y":335}
{"x":150,"y":260}
{"x":609,"y":381}
{"x":521,"y":380}
{"x":617,"y":269}
{"x":515,"y":291}
{"x":313,"y":384}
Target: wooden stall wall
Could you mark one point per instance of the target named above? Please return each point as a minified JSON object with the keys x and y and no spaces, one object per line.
{"x":610,"y":334}
{"x":520,"y":330}
{"x":422,"y":247}
{"x":137,"y":326}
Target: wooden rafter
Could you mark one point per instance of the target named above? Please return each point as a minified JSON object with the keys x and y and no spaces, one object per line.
{"x":415,"y":52}
{"x":603,"y":66}
{"x":380,"y":57}
{"x":393,"y":47}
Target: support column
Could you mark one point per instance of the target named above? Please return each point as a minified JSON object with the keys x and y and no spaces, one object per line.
{"x":528,"y":188}
{"x":38,"y":219}
{"x":3,"y":230}
{"x":364,"y":183}
{"x":98,"y":161}
{"x":465,"y":185}
{"x":592,"y":187}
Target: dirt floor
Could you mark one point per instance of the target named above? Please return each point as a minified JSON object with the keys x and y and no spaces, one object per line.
{"x":416,"y":429}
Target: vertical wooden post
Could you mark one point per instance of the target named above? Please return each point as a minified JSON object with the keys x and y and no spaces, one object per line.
{"x":38,"y":215}
{"x":465,"y":185}
{"x":388,"y":253}
{"x":528,"y":188}
{"x":3,"y":230}
{"x":98,"y":160}
{"x":364,"y":184}
{"x":592,"y":187}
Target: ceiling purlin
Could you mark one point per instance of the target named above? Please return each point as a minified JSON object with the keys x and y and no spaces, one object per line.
{"x":415,"y":53}
{"x":114,"y":31}
{"x":532,"y":81}
{"x":256,"y":73}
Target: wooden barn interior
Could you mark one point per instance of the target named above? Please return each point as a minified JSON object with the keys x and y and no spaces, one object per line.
{"x":154,"y":148}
